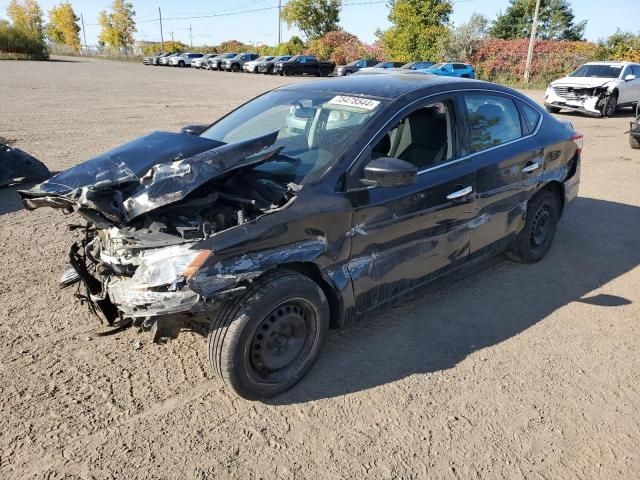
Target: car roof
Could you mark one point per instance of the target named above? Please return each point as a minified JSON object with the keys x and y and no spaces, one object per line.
{"x":612,"y":63}
{"x":391,"y":85}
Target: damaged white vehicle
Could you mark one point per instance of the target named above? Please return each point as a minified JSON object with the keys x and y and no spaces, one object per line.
{"x":596,"y":88}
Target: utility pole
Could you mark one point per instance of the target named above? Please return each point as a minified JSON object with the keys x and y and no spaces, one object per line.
{"x":84,"y":34}
{"x":161,"y":36}
{"x":532,"y":41}
{"x":279,"y":22}
{"x":190,"y":37}
{"x":172,"y":36}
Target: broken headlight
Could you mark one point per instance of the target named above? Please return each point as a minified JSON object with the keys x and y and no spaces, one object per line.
{"x":168,"y":266}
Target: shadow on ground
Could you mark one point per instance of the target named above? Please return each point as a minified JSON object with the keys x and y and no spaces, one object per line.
{"x":9,"y":198}
{"x":596,"y":242}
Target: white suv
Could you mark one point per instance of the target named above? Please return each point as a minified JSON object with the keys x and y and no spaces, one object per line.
{"x":596,"y":88}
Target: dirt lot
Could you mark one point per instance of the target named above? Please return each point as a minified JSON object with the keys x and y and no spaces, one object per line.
{"x":515,"y":372}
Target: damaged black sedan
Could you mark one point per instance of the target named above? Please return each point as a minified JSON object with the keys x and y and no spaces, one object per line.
{"x":308,"y":208}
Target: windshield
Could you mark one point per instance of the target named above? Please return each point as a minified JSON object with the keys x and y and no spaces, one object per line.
{"x":314,"y":129}
{"x":381,"y":64}
{"x":603,"y":71}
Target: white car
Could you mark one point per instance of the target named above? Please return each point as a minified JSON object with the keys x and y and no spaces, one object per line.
{"x":596,"y":88}
{"x":198,"y":62}
{"x":252,"y":66}
{"x":183,"y":60}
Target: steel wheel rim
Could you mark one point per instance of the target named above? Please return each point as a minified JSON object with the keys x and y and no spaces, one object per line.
{"x":282,"y":341}
{"x":541,"y":226}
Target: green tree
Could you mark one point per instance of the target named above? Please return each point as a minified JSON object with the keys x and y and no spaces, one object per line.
{"x":459,"y":45}
{"x":315,"y":18}
{"x":293,"y":46}
{"x":417,"y":29}
{"x":63,"y":28}
{"x":556,"y":21}
{"x":117,"y":25}
{"x":26,"y":15}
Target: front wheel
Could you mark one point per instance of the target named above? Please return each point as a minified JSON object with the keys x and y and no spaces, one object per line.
{"x":287,"y":72}
{"x":235,"y":68}
{"x":181,"y":64}
{"x":610,"y":105}
{"x":552,"y":109}
{"x":535,"y":239}
{"x":634,"y":142}
{"x":263,"y":342}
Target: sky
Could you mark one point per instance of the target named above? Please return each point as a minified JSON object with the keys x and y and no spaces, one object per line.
{"x":360,"y":17}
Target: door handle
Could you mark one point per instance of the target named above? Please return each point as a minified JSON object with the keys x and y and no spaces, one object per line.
{"x":460,"y":193}
{"x":531,"y":167}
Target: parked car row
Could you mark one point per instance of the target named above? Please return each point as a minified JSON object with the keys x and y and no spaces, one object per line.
{"x":287,"y":65}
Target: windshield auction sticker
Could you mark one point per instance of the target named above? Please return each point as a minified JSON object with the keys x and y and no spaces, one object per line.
{"x":357,"y":102}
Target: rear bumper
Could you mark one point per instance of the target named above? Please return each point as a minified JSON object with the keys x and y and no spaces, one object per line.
{"x":572,"y":186}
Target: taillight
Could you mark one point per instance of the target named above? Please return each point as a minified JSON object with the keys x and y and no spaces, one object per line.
{"x":578,"y":139}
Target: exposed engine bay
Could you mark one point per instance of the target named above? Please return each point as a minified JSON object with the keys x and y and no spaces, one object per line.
{"x":144,"y":220}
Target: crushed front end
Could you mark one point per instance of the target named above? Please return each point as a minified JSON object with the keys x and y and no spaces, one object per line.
{"x":145,"y":219}
{"x":586,"y":99}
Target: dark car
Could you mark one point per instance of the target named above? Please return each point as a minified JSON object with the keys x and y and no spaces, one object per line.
{"x":266,"y":66}
{"x":634,"y":129}
{"x":304,"y":64}
{"x":17,"y":166}
{"x":277,"y":234}
{"x":353,"y":67}
{"x":215,"y":63}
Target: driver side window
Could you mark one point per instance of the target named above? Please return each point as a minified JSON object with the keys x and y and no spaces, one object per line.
{"x":423,"y":138}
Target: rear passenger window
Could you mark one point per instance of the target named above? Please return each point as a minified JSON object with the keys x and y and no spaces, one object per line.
{"x":494,"y":120}
{"x":635,"y":69}
{"x":530,"y":115}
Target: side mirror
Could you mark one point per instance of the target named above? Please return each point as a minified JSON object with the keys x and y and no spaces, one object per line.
{"x":629,"y":77}
{"x":193,"y":129}
{"x":389,"y":172}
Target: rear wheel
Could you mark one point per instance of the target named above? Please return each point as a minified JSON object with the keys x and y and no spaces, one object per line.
{"x":634,"y":142}
{"x":262,"y":343}
{"x":535,"y":239}
{"x":552,"y":109}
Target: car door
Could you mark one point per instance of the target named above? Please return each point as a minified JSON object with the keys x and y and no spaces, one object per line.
{"x":508,"y":159}
{"x":404,"y":236}
{"x":634,"y":85}
{"x":311,"y":65}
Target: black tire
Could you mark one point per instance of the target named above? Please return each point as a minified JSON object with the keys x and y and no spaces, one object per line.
{"x":610,"y":105}
{"x":552,"y":109}
{"x":324,"y":72}
{"x":347,"y":73}
{"x":235,"y":68}
{"x":535,"y":239}
{"x":181,"y":64}
{"x":263,"y":342}
{"x":287,"y":72}
{"x":634,"y":142}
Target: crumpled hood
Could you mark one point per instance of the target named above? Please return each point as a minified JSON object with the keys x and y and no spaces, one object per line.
{"x":150,"y":172}
{"x":586,"y":82}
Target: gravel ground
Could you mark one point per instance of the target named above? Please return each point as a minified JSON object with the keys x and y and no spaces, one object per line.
{"x":517,"y":372}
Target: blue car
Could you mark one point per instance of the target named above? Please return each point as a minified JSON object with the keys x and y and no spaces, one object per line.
{"x":450,"y":69}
